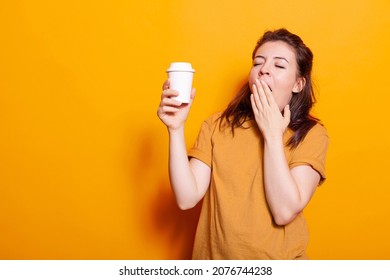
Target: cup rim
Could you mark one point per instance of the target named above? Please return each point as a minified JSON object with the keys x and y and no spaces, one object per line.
{"x":185,"y":67}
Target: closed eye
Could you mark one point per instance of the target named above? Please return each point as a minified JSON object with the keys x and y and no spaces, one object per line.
{"x":279,"y":66}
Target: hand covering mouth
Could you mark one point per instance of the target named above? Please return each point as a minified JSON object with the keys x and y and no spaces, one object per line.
{"x":267,"y":85}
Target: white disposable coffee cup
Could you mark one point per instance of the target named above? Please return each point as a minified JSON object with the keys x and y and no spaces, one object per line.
{"x":180,"y":76}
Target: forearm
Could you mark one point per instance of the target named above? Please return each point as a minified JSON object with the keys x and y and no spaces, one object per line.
{"x":182,"y":179}
{"x":281,"y":190}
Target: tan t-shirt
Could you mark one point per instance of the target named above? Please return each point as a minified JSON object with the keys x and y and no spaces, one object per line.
{"x":235,"y":221}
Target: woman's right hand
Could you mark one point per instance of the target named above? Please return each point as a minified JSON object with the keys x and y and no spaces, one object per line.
{"x":171,"y":112}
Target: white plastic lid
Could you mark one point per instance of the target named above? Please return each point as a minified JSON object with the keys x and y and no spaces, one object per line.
{"x":180,"y":66}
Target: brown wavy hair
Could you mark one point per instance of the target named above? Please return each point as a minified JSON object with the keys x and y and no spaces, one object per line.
{"x":240,"y":110}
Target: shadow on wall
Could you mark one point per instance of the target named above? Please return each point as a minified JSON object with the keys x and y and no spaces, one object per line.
{"x":179,"y":225}
{"x":161,"y":221}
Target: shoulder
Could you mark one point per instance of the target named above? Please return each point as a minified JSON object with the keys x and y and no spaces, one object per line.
{"x":316,"y":136}
{"x":214,"y":117}
{"x":213,"y":120}
{"x":318,"y":130}
{"x":209,"y":125}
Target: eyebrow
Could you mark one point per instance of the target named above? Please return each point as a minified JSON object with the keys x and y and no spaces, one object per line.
{"x":275,"y":57}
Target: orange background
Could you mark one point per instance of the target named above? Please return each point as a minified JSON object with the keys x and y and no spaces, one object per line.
{"x":83,"y":156}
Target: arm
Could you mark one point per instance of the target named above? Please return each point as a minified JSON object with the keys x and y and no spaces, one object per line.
{"x":287,"y":191}
{"x":189,"y":178}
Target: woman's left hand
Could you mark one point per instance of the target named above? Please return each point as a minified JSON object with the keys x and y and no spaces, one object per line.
{"x":270,"y":120}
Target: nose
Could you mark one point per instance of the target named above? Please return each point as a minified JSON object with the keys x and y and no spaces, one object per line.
{"x":264,"y":70}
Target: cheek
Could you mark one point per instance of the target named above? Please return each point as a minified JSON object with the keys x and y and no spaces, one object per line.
{"x":252,"y":78}
{"x":285,"y":82}
{"x":283,"y":93}
{"x":282,"y":99}
{"x":285,"y":85}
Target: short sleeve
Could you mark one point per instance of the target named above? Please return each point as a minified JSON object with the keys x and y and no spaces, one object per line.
{"x":202,"y":148}
{"x":312,"y":151}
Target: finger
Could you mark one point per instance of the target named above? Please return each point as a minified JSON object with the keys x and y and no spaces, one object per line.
{"x":262,"y":97}
{"x":256,"y":96}
{"x":166,"y":85}
{"x":263,"y":89}
{"x":170,"y":102}
{"x":169,"y":93}
{"x":170,"y":109}
{"x":268,"y":94}
{"x":164,"y":108}
{"x":287,"y":115}
{"x":162,"y":111}
{"x":254,"y":107}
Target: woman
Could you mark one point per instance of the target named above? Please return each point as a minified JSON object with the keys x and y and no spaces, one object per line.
{"x":257,"y":164}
